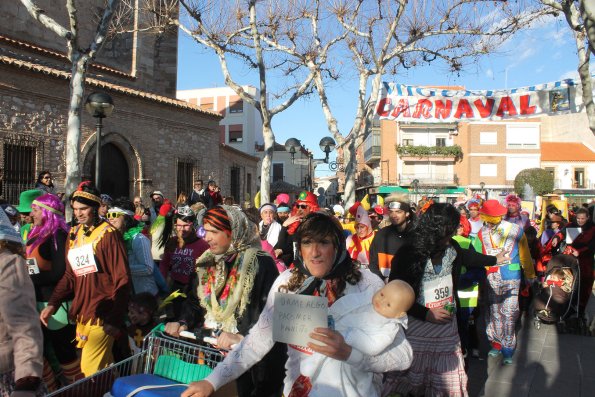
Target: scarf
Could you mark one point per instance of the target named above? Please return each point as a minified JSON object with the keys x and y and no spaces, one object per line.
{"x":225,"y":281}
{"x":130,"y":234}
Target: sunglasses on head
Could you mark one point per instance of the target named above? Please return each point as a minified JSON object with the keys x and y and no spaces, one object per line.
{"x":302,"y":206}
{"x":113,"y":215}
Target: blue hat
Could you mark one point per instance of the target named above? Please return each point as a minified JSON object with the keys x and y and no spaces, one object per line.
{"x":7,"y":232}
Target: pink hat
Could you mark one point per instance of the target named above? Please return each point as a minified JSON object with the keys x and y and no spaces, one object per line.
{"x":282,"y":198}
{"x":493,"y":208}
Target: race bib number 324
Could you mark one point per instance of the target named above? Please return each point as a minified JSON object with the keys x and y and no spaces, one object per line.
{"x":82,"y":260}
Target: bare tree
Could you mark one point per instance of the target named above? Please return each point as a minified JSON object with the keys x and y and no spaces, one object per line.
{"x":400,"y":35}
{"x":80,"y":57}
{"x":580,"y":17}
{"x":239,"y":31}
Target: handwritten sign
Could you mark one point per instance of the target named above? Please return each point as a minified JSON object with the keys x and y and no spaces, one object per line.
{"x":296,"y":316}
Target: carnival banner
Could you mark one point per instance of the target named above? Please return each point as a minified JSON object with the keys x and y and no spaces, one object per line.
{"x":429,"y":104}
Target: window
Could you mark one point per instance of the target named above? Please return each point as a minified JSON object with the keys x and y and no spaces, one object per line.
{"x":551,"y":171}
{"x":407,"y":142}
{"x":236,"y":107}
{"x":235,"y":183}
{"x":488,"y":170}
{"x":278,"y":172}
{"x":19,"y":170}
{"x":515,"y":164}
{"x":236,"y":133}
{"x":376,"y":123}
{"x":186,"y":175}
{"x":441,"y":142}
{"x":579,"y":177}
{"x":522,"y":136}
{"x":488,"y":138}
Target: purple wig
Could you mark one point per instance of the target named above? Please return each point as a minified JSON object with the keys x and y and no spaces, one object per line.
{"x":52,"y":221}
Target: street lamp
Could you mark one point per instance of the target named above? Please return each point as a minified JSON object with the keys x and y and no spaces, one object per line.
{"x":483,"y":193}
{"x":291,"y":145}
{"x":99,"y":105}
{"x":415,"y":186}
{"x":327,"y":145}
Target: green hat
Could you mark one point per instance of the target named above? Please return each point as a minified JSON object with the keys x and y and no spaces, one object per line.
{"x":26,"y":198}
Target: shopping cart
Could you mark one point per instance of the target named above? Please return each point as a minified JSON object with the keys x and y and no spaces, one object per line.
{"x":163,"y":360}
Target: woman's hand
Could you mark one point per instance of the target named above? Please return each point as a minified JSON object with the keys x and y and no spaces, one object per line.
{"x":335,"y":344}
{"x":174,"y":329}
{"x":46,"y":313}
{"x":226,"y":340}
{"x":198,"y":389}
{"x":438,"y":315}
{"x":278,"y":252}
{"x":502,"y":257}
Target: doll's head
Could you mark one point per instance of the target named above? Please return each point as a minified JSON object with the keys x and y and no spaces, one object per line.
{"x":394,"y":299}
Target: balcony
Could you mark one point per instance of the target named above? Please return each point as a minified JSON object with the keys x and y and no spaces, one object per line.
{"x":570,"y":184}
{"x":372,"y":154}
{"x":430,"y":153}
{"x":434,"y":179}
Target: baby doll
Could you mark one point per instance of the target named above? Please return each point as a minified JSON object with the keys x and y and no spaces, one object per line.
{"x":370,"y":322}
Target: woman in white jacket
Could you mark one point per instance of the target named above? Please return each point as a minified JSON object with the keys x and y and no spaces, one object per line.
{"x":323,"y":268}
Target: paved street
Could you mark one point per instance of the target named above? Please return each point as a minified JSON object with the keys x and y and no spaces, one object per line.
{"x":547,"y":364}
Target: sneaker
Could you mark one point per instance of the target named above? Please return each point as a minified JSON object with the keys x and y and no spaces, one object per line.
{"x":494,"y":353}
{"x":475,"y":353}
{"x":507,"y":361}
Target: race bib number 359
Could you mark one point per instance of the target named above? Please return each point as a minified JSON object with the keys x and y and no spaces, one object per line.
{"x":438,"y":292}
{"x":82,"y":260}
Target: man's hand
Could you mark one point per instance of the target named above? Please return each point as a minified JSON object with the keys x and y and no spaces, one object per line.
{"x":502,"y":257}
{"x":46,"y":314}
{"x":335,"y":344}
{"x":438,"y":315}
{"x":174,"y":329}
{"x":291,"y":219}
{"x":226,"y":340}
{"x":198,"y":389}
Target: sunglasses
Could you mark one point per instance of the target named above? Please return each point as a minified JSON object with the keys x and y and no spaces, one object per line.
{"x":47,"y":177}
{"x":302,"y":206}
{"x":113,"y":215}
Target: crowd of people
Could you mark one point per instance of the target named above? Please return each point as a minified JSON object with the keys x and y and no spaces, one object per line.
{"x":403,"y":281}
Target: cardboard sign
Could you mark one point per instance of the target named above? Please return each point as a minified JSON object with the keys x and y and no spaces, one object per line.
{"x":528,"y":206}
{"x":296,"y":316}
{"x":572,"y":233}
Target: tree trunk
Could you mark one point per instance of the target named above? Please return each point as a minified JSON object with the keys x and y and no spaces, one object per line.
{"x":585,"y":77}
{"x":350,"y":162}
{"x":73,"y":135}
{"x":267,"y":160}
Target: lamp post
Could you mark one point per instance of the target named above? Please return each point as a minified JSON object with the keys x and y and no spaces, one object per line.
{"x":327,"y":145}
{"x":99,"y":105}
{"x":483,"y":193}
{"x":415,"y":186}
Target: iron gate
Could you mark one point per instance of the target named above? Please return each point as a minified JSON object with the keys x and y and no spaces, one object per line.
{"x":22,"y":157}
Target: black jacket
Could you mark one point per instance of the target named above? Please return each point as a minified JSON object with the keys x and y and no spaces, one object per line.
{"x":408,"y":267}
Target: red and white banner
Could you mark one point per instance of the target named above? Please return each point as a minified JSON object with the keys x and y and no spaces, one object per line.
{"x":426,"y":104}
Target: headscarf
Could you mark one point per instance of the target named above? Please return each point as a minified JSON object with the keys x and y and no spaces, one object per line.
{"x":342,"y":263}
{"x":223,"y":308}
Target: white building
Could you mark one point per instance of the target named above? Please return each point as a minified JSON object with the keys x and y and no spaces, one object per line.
{"x":241,"y":127}
{"x":572,"y":164}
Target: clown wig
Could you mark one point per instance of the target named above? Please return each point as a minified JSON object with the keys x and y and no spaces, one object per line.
{"x":513,"y":199}
{"x":52,"y":220}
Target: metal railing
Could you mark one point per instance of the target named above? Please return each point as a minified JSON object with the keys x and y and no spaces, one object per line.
{"x":428,"y":178}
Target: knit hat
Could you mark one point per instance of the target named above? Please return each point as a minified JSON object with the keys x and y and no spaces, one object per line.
{"x":106,"y":199}
{"x":7,"y":232}
{"x":361,"y":216}
{"x":267,"y":206}
{"x":218,"y":218}
{"x":338,"y":210}
{"x":26,"y":198}
{"x":493,"y":208}
{"x":156,"y":192}
{"x":282,"y":198}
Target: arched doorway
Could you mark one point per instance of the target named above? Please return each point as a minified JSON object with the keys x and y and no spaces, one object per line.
{"x":114,"y":171}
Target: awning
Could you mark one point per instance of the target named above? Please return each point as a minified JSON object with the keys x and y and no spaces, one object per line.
{"x":577,"y":192}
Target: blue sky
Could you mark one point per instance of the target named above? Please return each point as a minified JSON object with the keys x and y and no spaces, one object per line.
{"x":544,"y":53}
